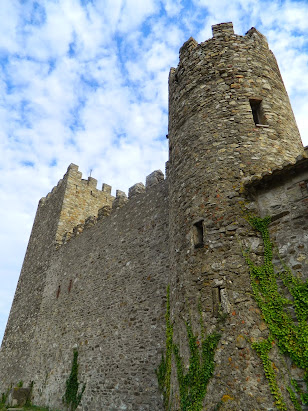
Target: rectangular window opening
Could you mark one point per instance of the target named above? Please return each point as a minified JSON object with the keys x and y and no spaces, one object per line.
{"x":257,"y":112}
{"x":198,"y":234}
{"x":219,"y":294}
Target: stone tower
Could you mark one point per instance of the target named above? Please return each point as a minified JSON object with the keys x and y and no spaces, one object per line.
{"x":66,"y":206}
{"x":229,"y":117}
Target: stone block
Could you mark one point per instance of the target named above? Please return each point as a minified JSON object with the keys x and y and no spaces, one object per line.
{"x":120,"y":200}
{"x":154,"y":178}
{"x":136,"y":189}
{"x":103,"y":212}
{"x":106,"y":188}
{"x":222,"y":29}
{"x":18,"y":396}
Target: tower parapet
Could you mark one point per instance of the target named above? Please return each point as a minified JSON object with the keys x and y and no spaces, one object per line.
{"x":81,"y":200}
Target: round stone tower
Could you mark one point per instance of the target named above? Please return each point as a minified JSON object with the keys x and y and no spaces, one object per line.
{"x":229,"y":118}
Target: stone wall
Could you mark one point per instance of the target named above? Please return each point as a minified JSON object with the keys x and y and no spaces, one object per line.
{"x":68,"y":204}
{"x":283,"y":195}
{"x":105,"y":295}
{"x":23,"y":315}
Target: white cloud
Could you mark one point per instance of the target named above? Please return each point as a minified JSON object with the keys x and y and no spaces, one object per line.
{"x":135,"y":13}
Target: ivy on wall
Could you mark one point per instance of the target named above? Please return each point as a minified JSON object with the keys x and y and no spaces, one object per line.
{"x":193,"y":383}
{"x":72,"y":397}
{"x":289,"y":331}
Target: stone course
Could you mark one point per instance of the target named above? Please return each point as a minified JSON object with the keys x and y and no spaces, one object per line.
{"x":97,"y":267}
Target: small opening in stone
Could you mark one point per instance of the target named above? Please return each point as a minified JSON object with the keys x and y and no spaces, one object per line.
{"x":58,"y":291}
{"x":198,"y":234}
{"x":219,"y":294}
{"x":70,"y":286}
{"x":257,"y":111}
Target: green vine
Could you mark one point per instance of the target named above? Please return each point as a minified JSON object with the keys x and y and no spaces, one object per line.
{"x":263,"y":348}
{"x":291,"y":335}
{"x":193,"y":383}
{"x":4,"y":396}
{"x":294,"y":399}
{"x":71,"y":397}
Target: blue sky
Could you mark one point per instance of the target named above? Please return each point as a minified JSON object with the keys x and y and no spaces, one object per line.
{"x":85,"y":82}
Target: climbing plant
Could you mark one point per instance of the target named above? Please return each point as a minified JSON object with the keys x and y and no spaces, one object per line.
{"x":72,"y":397}
{"x":193,"y":383}
{"x":291,"y":335}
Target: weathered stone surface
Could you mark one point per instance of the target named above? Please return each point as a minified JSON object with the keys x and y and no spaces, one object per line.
{"x":136,"y":189}
{"x":18,"y":396}
{"x":154,"y":178}
{"x":120,"y":200}
{"x":103,"y":212}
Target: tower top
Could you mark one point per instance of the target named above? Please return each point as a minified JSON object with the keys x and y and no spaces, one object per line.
{"x":222,"y":29}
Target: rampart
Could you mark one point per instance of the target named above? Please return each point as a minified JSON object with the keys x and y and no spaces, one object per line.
{"x":110,"y":305}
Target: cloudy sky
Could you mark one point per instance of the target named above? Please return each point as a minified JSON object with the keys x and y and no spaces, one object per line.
{"x":85,"y":82}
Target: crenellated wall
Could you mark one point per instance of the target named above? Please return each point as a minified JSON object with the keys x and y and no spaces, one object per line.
{"x":109,"y":302}
{"x":81,"y":200}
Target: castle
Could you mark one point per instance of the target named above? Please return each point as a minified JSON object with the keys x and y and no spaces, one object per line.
{"x":97,"y":268}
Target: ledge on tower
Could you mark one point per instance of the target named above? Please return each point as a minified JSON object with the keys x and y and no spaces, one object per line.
{"x":222,"y":29}
{"x":120,"y":200}
{"x":154,"y":178}
{"x":189,"y":45}
{"x":254,"y":33}
{"x":136,"y":189}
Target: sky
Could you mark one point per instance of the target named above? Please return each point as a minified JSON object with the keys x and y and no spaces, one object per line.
{"x":86,"y":82}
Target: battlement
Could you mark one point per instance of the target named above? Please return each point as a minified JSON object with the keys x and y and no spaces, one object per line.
{"x":51,"y":193}
{"x":222,"y":29}
{"x":231,"y":84}
{"x":80,"y":199}
{"x":71,"y":175}
{"x":223,"y":36}
{"x":121,"y":199}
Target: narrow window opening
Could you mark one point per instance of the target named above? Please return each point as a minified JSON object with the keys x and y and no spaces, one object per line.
{"x":198,"y":234}
{"x":257,"y":112}
{"x":58,"y":291}
{"x":219,"y":294}
{"x":70,"y":286}
{"x":216,"y":300}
